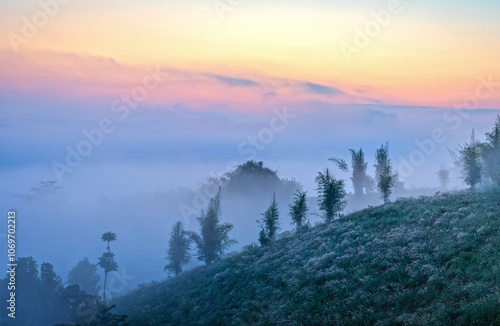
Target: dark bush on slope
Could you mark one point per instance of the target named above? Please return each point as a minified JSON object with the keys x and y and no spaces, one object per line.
{"x":426,"y":261}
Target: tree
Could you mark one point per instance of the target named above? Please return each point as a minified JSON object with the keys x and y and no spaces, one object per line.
{"x":299,"y":209}
{"x":179,"y":246}
{"x":254,"y":180}
{"x":108,"y":237}
{"x":49,"y":280}
{"x":28,"y":291}
{"x":383,"y":170}
{"x":27,"y":271}
{"x":47,"y":302}
{"x":213,"y":239}
{"x":381,"y":157}
{"x":85,"y":275}
{"x":269,"y":223}
{"x":360,"y":180}
{"x":331,"y":194}
{"x":444,"y":176}
{"x":50,"y":285}
{"x":386,"y":182}
{"x":490,"y":151}
{"x":107,"y":260}
{"x":467,"y":157}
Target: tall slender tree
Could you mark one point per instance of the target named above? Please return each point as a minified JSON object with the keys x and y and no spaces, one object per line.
{"x":107,"y":260}
{"x":108,"y":237}
{"x":381,"y":157}
{"x":383,"y":170}
{"x":269,"y":223}
{"x":331,"y":194}
{"x":299,"y":209}
{"x":213,"y":239}
{"x":179,"y":246}
{"x":386,"y":182}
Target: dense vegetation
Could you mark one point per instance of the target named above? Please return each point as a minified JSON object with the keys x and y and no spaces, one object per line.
{"x":43,"y":299}
{"x":425,"y":261}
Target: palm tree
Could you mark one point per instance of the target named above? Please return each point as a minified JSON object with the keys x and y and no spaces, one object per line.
{"x":108,"y":237}
{"x":107,"y":260}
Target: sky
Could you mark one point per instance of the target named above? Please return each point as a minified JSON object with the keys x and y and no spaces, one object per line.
{"x":157,"y":95}
{"x":428,"y":53}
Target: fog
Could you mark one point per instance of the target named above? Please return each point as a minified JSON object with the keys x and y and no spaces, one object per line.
{"x":154,"y":168}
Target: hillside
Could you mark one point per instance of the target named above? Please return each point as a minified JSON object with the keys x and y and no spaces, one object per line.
{"x":425,"y":261}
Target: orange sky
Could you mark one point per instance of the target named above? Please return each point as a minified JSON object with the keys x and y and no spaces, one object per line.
{"x":426,"y":55}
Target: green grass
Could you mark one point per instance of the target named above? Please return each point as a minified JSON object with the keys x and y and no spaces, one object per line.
{"x":424,"y":261}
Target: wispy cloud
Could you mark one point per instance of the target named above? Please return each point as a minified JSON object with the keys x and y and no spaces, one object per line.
{"x":322,"y":90}
{"x":236,"y":82}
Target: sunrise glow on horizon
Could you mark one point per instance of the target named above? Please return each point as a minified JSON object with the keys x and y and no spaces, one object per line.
{"x":426,"y":55}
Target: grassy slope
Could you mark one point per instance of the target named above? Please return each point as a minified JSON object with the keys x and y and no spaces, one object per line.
{"x":425,"y":261}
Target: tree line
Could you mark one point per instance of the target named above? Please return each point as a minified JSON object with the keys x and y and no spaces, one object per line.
{"x":478,"y":161}
{"x":213,"y":239}
{"x":46,"y":300}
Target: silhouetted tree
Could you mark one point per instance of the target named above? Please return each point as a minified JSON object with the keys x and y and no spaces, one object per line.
{"x":299,"y":209}
{"x":331,"y":194}
{"x":256,"y":180}
{"x":444,"y":176}
{"x":107,"y":260}
{"x":50,"y":285}
{"x":467,"y":157}
{"x":386,"y":182}
{"x":490,"y":151}
{"x":179,"y":246}
{"x":49,"y":280}
{"x":42,"y":300}
{"x":85,"y":275}
{"x":381,"y":157}
{"x":108,"y":237}
{"x":360,"y":180}
{"x":38,"y":292}
{"x":28,"y":292}
{"x":269,"y":223}
{"x":213,"y":239}
{"x":385,"y":179}
{"x":27,"y":270}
